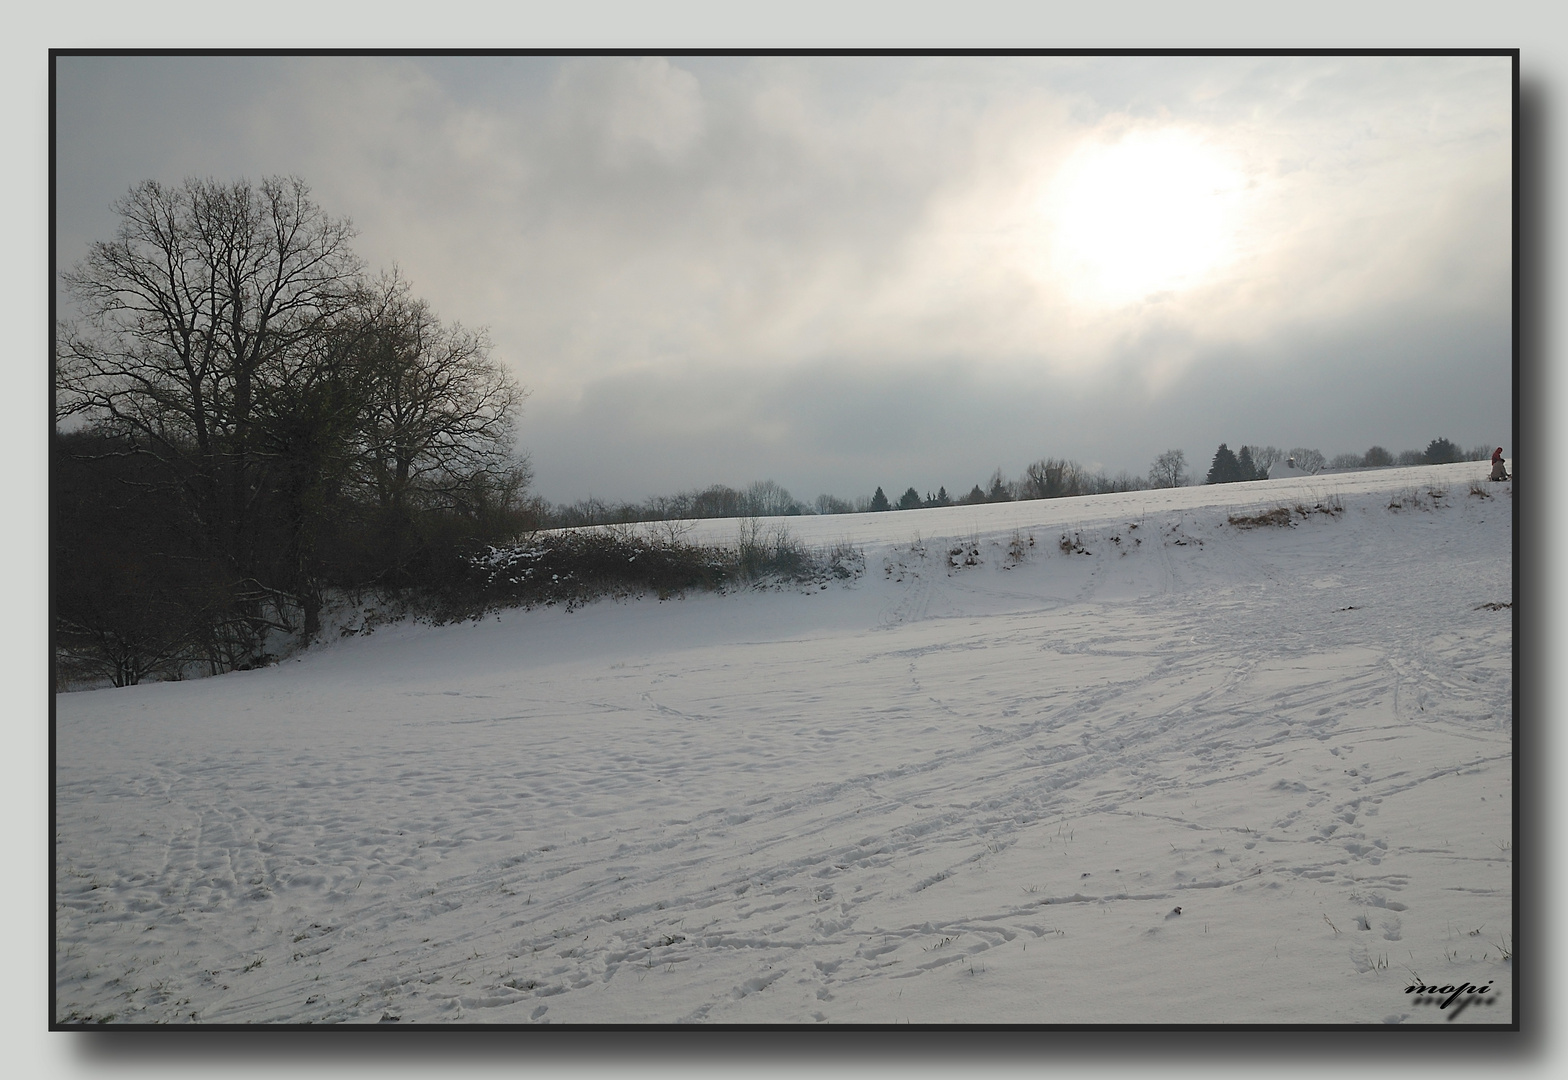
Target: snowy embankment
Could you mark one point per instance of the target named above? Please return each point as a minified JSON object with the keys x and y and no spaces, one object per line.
{"x":946,"y":792}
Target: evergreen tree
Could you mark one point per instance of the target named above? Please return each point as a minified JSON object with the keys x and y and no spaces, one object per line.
{"x":1248,"y":470}
{"x":1225,"y":469}
{"x":1442,"y":451}
{"x":943,"y":498}
{"x":998,"y":492}
{"x":975,"y":495}
{"x":909,"y":500}
{"x":879,"y":501}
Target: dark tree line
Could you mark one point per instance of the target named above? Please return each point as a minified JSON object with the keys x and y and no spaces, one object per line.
{"x":1048,"y":478}
{"x":1254,"y":462}
{"x":764,"y":498}
{"x":245,"y":421}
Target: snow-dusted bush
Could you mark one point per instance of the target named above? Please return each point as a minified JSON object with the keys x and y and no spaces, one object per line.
{"x":575,"y":567}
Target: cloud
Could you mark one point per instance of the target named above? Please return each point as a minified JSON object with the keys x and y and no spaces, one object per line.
{"x":841,"y":264}
{"x":633,"y":110}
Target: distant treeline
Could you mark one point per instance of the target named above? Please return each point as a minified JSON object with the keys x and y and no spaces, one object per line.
{"x":1047,"y":478}
{"x":1254,"y":462}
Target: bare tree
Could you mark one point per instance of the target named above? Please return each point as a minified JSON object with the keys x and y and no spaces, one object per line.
{"x":227,"y":335}
{"x":437,"y":412}
{"x":1101,"y":484}
{"x":1053,"y":478}
{"x":1169,"y":470}
{"x":716,"y":501}
{"x":765,"y":498}
{"x":1307,"y":459}
{"x":1264,"y":457}
{"x":206,"y":302}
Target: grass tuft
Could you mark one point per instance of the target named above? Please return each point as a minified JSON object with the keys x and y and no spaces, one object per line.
{"x":1277,"y":517}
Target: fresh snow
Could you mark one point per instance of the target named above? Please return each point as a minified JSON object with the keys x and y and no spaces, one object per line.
{"x":971,"y":793}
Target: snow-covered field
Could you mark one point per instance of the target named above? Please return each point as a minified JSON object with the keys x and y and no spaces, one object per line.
{"x":1135,"y":765}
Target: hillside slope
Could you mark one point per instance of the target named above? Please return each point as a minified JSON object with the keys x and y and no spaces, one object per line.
{"x":967,"y":787}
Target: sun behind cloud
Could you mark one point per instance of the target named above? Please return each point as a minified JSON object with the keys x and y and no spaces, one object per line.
{"x":1154,"y":212}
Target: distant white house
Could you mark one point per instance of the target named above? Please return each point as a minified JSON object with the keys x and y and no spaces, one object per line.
{"x":1286,"y":467}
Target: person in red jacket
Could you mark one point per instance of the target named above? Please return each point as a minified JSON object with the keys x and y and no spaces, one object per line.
{"x":1498,"y":472}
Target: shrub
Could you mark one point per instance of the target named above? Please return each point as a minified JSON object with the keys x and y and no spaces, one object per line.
{"x":577,"y":566}
{"x":1018,"y":547}
{"x":770,"y":553}
{"x":1415,"y":499}
{"x":1279,"y":516}
{"x":964,"y":554}
{"x":580,"y":565}
{"x":1329,"y":505}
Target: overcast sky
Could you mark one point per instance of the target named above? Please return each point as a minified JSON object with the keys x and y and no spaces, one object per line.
{"x":839,"y":273}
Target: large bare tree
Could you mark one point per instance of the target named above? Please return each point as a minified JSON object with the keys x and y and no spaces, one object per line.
{"x":227,"y":333}
{"x":203,"y":309}
{"x":1054,"y":478}
{"x":1169,"y":470}
{"x":438,"y":412}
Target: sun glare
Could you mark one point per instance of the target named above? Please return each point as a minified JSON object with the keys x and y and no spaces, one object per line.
{"x":1153,"y":213}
